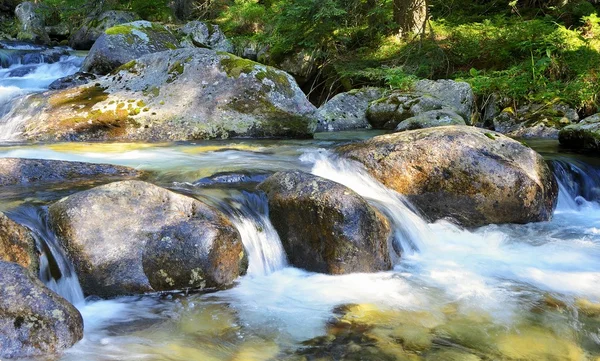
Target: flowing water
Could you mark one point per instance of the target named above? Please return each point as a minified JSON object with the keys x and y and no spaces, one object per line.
{"x":500,"y":292}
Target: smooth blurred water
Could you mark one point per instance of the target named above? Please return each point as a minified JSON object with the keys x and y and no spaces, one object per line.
{"x":501,"y":271}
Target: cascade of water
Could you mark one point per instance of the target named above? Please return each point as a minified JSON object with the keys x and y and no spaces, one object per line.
{"x":56,"y":270}
{"x":23,"y":73}
{"x":579,"y":183}
{"x":250,"y":215}
{"x":410,"y":229}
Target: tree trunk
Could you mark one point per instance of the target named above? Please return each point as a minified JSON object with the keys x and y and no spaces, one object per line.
{"x":410,"y":16}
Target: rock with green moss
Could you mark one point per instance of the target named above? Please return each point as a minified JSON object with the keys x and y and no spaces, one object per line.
{"x":426,"y":95}
{"x":34,"y":321}
{"x":583,"y":135}
{"x":133,"y":237}
{"x":347,"y":111}
{"x":470,"y":175}
{"x":31,"y":23}
{"x":534,"y":120}
{"x":326,"y":227}
{"x":93,"y":27}
{"x":203,"y":35}
{"x":17,"y":245}
{"x":123,"y":43}
{"x":432,"y":118}
{"x":184,"y":94}
{"x":389,"y":111}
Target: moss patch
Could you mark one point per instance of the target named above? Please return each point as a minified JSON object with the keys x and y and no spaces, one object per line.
{"x":234,"y":66}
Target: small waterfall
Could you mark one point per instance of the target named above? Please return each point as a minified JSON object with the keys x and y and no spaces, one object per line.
{"x":579,"y":182}
{"x":24,"y":72}
{"x":250,"y":214}
{"x":409,"y":227}
{"x":56,"y":270}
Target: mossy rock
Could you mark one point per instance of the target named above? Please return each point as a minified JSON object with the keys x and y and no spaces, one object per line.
{"x":122,"y":43}
{"x":585,"y":135}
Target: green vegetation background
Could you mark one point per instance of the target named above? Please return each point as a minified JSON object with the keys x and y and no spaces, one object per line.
{"x":525,"y":51}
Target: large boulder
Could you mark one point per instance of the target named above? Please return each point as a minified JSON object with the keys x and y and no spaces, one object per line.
{"x":426,"y":95}
{"x":471,"y":175}
{"x":583,"y":135}
{"x":19,"y":171}
{"x":34,"y":321}
{"x":326,"y":227}
{"x":432,"y":118}
{"x":123,"y":43}
{"x":347,"y":111}
{"x":31,"y":23}
{"x":204,"y":35}
{"x":133,"y":237}
{"x":17,"y":245}
{"x":94,"y":27}
{"x":184,"y":94}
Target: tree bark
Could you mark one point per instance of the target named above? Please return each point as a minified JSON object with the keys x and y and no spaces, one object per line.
{"x":410,"y":16}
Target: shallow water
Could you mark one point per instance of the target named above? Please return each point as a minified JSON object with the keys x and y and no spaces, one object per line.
{"x":509,"y":282}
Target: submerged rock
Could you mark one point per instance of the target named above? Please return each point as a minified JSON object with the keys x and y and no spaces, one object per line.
{"x":183,"y":94}
{"x":204,"y":35}
{"x":325,"y":226}
{"x":34,"y":321}
{"x":583,"y":135}
{"x":229,"y":179}
{"x":134,"y":237}
{"x":347,"y":111}
{"x":471,"y":175}
{"x":17,"y":245}
{"x":31,"y":23}
{"x":432,"y":118}
{"x":123,"y":43}
{"x":15,"y":171}
{"x":94,"y":27}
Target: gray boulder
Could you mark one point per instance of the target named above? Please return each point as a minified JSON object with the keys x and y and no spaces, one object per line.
{"x":302,"y":65}
{"x":94,"y":27}
{"x":583,"y":135}
{"x":134,"y":237}
{"x":347,"y":111}
{"x":534,"y":120}
{"x":426,"y":95}
{"x":17,"y":245}
{"x":31,"y":24}
{"x":326,"y":227}
{"x":204,"y":35}
{"x":183,"y":94}
{"x":70,"y":81}
{"x":20,"y":171}
{"x":454,"y":94}
{"x":432,"y":118}
{"x":388,"y":112}
{"x":123,"y":43}
{"x":34,"y":321}
{"x":470,"y":175}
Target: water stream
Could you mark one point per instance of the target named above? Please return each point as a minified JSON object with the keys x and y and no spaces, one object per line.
{"x":500,"y":292}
